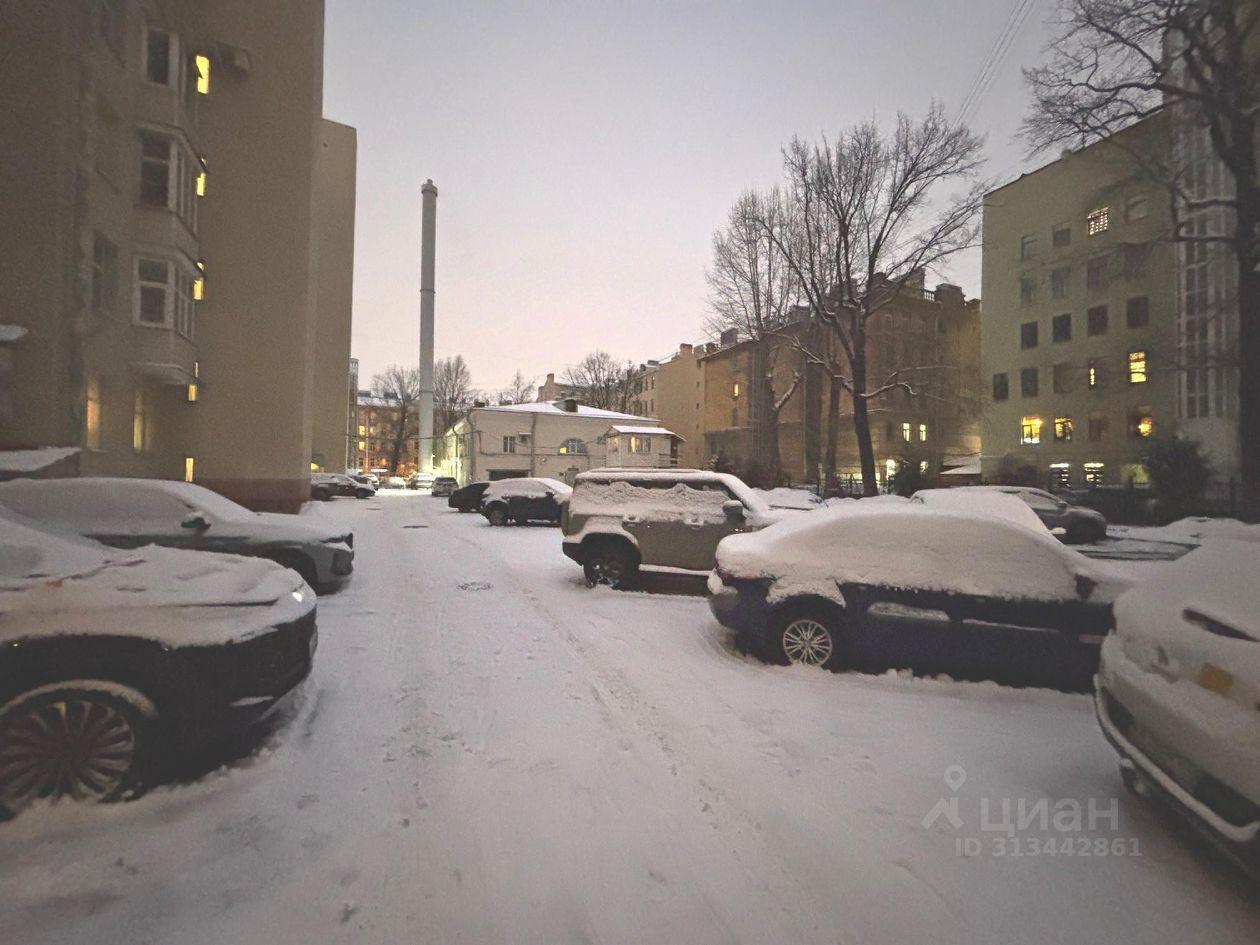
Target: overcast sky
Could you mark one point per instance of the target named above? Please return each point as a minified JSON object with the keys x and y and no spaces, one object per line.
{"x":585,"y":152}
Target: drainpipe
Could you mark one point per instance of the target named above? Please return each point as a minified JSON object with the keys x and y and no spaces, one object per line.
{"x":533,"y":442}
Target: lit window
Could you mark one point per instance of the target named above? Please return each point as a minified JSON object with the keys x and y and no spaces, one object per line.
{"x":199,"y":283}
{"x":1061,"y":473}
{"x":1063,"y":429}
{"x":202,"y":64}
{"x":890,"y":469}
{"x":190,"y":466}
{"x":922,"y":432}
{"x":1094,"y":474}
{"x":923,"y":466}
{"x":1143,"y":423}
{"x":362,"y":445}
{"x":92,"y":415}
{"x":192,"y":388}
{"x":140,"y":421}
{"x":362,"y":431}
{"x":1030,"y":430}
{"x":905,"y":431}
{"x":1137,"y":367}
{"x":735,"y":390}
{"x":1094,"y":375}
{"x":572,"y":447}
{"x":1098,"y":221}
{"x":640,"y":444}
{"x":201,"y":179}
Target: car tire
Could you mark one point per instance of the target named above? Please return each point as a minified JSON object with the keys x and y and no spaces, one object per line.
{"x":363,"y":494}
{"x":82,"y":740}
{"x":812,"y":634}
{"x":497,"y":515}
{"x":609,"y":562}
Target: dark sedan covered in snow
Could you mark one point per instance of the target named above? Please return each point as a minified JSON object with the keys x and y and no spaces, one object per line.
{"x":129,"y":513}
{"x":468,"y":498}
{"x":873,"y":587}
{"x":517,"y":501}
{"x":117,"y":665}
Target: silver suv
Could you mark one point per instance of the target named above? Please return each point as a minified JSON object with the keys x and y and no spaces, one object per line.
{"x":618,"y":520}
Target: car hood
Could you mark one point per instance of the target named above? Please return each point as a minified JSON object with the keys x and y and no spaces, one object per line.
{"x":273,"y":526}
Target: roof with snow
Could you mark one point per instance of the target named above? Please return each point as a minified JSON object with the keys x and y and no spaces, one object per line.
{"x":548,"y":407}
{"x":641,"y":431}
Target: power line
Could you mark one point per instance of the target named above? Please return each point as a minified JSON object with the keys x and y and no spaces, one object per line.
{"x":993,"y":60}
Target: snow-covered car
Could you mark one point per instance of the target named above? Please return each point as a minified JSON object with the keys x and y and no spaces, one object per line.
{"x":128,"y":513}
{"x":1080,"y":526}
{"x":531,"y":499}
{"x":443,"y":486}
{"x":468,"y":498}
{"x":116,"y":663}
{"x":872,"y":586}
{"x":1179,"y":691}
{"x":393,"y":482}
{"x":421,"y":480}
{"x":620,"y":520}
{"x":326,"y":485}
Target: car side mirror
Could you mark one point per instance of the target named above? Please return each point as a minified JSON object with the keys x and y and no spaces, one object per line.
{"x":733,"y":509}
{"x":195,"y":521}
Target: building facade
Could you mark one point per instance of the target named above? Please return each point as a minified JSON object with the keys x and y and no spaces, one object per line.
{"x":1079,"y":330}
{"x":377,"y":421}
{"x":160,"y":190}
{"x":558,"y":440}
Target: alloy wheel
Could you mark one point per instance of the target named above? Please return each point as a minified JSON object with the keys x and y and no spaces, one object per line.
{"x":808,"y":641}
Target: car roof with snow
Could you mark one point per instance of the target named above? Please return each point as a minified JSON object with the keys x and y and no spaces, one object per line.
{"x":980,"y":500}
{"x":737,"y":486}
{"x":526,"y":486}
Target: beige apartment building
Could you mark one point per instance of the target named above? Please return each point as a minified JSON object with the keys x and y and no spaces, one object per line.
{"x":376,"y":433}
{"x":164,"y":185}
{"x":671,"y":390}
{"x":557,"y":440}
{"x":1079,"y":332}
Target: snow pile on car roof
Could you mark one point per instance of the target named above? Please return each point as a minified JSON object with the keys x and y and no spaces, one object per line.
{"x":1204,"y":528}
{"x":782,"y":497}
{"x":673,"y":503}
{"x":529,"y":488}
{"x":981,"y":501}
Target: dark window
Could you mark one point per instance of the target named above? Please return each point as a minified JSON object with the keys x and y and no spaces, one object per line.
{"x":1028,"y":335}
{"x":157,"y":57}
{"x":1060,"y":282}
{"x":1062,"y":236}
{"x":155,"y":169}
{"x":1027,"y":289}
{"x":1135,"y":256}
{"x":1001,"y":389}
{"x":1028,"y":382}
{"x":1061,"y":327}
{"x":109,"y":19}
{"x":1137,"y":312}
{"x":1096,"y":319}
{"x":104,"y":274}
{"x":1096,"y":273}
{"x":1097,"y":428}
{"x":1062,"y":378}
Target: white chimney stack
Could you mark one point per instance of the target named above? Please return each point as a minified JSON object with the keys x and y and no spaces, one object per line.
{"x":428,"y":233}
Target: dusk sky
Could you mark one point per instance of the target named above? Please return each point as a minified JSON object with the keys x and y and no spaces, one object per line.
{"x":585,"y":152}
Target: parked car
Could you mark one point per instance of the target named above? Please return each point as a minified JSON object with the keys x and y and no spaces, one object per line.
{"x":129,"y":513}
{"x":1179,"y":688}
{"x":393,"y":482}
{"x":443,"y":486}
{"x":468,"y":498}
{"x":367,"y":478}
{"x":872,"y":586}
{"x":421,"y":480}
{"x":1081,"y":526}
{"x":620,"y":520}
{"x":517,"y":501}
{"x":333,"y":484}
{"x":116,"y":663}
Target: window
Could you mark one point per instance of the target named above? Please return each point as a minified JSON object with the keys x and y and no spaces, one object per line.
{"x":140,"y":423}
{"x":1027,"y":289}
{"x":1098,"y":221}
{"x":159,"y":57}
{"x":1097,"y":374}
{"x":1137,"y":208}
{"x":573,"y":447}
{"x":1097,"y":428}
{"x":1096,"y":274}
{"x":1141,"y":424}
{"x":167,"y":176}
{"x":1062,"y":236}
{"x":104,"y":274}
{"x":199,"y":282}
{"x":1001,"y":387}
{"x":1028,"y":335}
{"x":923,"y":432}
{"x":152,"y":278}
{"x":1028,"y":247}
{"x":110,"y":24}
{"x":905,"y":431}
{"x":640,"y":444}
{"x":735,"y":390}
{"x":509,"y":444}
{"x":92,"y":414}
{"x":1096,"y":320}
{"x":1028,"y":382}
{"x":193,"y":387}
{"x":1135,"y":256}
{"x":1137,"y":312}
{"x":190,"y":466}
{"x":1093,"y":474}
{"x":362,"y":429}
{"x":1137,"y":367}
{"x":1063,"y":429}
{"x":1061,"y":328}
{"x":201,"y":64}
{"x":1060,"y":282}
{"x":1030,"y":431}
{"x":199,"y":185}
{"x":1062,"y":378}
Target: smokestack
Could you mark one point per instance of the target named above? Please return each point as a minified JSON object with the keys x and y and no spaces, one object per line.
{"x":428,"y":234}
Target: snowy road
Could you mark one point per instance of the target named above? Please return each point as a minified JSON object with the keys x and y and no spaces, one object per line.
{"x":488,"y":752}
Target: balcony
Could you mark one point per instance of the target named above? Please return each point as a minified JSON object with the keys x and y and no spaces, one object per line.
{"x":163,"y":354}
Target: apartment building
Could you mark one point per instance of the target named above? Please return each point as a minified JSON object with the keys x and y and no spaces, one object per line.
{"x":377,"y":420}
{"x":1079,"y":332}
{"x":160,"y":185}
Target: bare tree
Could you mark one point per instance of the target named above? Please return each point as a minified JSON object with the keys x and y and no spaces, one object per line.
{"x":602,"y":381}
{"x":520,"y":390}
{"x":859,"y":222}
{"x":1114,"y":62}
{"x":400,"y":387}
{"x":754,"y":291}
{"x":453,"y":397}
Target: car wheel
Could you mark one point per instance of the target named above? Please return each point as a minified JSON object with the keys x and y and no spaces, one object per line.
{"x":609,"y":563}
{"x":73,"y":741}
{"x":303,"y":565}
{"x":807,"y":635}
{"x":497,"y":515}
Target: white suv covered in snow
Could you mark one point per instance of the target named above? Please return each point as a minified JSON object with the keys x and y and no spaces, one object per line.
{"x":619,"y":520}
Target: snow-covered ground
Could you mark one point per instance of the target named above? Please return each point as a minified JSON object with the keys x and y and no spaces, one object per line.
{"x":488,"y":752}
